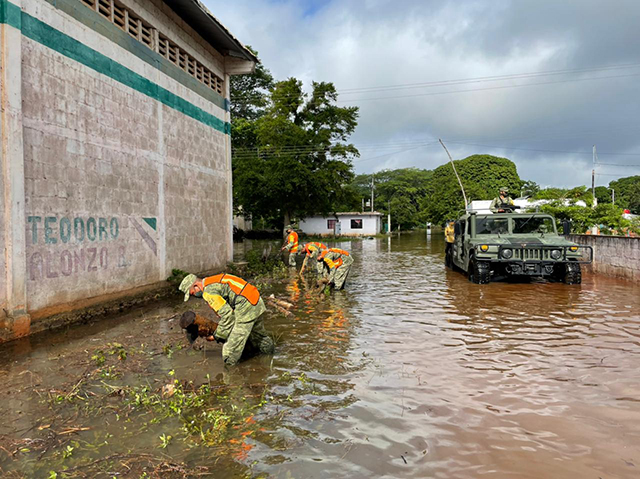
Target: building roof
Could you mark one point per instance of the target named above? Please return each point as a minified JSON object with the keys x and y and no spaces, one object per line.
{"x":354,"y":213}
{"x":210,"y":28}
{"x":359,"y":213}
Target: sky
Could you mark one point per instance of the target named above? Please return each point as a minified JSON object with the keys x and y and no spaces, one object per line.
{"x":568,"y":77}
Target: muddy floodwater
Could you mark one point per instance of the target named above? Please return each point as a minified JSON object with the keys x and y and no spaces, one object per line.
{"x":411,"y":372}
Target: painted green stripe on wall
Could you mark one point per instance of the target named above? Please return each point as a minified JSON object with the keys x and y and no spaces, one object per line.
{"x":10,"y":14}
{"x":95,"y":21}
{"x":56,"y":40}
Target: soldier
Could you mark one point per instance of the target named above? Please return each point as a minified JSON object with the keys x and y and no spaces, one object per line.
{"x":312,"y":250}
{"x":337,"y":264}
{"x":239,"y":306}
{"x":449,"y":238}
{"x":498,"y":204}
{"x":291,"y":245}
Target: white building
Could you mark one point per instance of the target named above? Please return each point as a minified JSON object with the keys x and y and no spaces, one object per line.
{"x":343,"y":224}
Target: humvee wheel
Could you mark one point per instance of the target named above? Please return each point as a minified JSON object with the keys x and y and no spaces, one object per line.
{"x":573,"y":274}
{"x":479,"y":272}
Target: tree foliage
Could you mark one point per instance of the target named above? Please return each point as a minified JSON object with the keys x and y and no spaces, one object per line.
{"x":399,"y":192}
{"x":627,"y":193}
{"x":603,"y":195}
{"x":295,"y":159}
{"x":607,"y":216}
{"x":481,"y":176}
{"x":250,"y":93}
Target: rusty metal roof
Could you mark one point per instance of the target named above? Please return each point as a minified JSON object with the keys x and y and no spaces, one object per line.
{"x":198,"y":17}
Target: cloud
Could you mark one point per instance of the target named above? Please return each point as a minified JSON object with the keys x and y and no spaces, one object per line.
{"x":372,"y":43}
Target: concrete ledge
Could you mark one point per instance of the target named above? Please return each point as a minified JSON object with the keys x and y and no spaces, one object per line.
{"x":613,"y":255}
{"x":80,"y":311}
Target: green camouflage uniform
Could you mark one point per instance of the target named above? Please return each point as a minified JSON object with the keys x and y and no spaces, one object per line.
{"x":313,"y":257}
{"x":496,"y":204}
{"x":239,"y":321}
{"x":337,"y":276}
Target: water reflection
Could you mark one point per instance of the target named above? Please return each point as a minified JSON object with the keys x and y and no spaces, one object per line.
{"x":412,"y":371}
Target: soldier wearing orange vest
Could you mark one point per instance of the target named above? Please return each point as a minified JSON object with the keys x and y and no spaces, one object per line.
{"x":239,"y":306}
{"x":312,"y":250}
{"x":337,"y":264}
{"x":291,"y":245}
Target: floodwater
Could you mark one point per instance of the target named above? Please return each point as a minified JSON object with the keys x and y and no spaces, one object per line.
{"x":411,"y":372}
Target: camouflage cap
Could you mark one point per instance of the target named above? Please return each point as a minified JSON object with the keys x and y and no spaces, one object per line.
{"x":186,"y":284}
{"x":288,"y":227}
{"x":506,"y":190}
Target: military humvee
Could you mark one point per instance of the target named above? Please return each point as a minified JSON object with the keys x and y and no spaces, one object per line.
{"x":496,"y":246}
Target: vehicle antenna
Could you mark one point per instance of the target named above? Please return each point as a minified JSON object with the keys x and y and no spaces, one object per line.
{"x":456,"y":172}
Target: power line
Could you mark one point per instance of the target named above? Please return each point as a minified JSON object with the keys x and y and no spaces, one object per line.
{"x":487,"y":78}
{"x":540,"y":150}
{"x":464,"y":81}
{"x":487,"y":89}
{"x":300,"y":150}
{"x":618,"y":165}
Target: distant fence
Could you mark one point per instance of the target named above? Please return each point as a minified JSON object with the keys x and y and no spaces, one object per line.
{"x":613,"y":255}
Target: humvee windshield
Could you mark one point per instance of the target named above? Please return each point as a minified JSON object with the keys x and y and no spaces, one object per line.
{"x":533,"y":224}
{"x":491,"y":226}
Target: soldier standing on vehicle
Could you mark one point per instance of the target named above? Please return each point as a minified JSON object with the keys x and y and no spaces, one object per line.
{"x":291,"y":245}
{"x":239,"y":306}
{"x":501,"y":203}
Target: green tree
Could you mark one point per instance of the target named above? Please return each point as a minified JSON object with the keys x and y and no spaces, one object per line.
{"x":481,"y":176}
{"x":572,"y":195}
{"x":607,"y":216}
{"x":627,"y":193}
{"x":401,"y":190}
{"x":250,"y":93}
{"x":603,"y":195}
{"x":301,"y":164}
{"x":529,"y":188}
{"x":249,"y":101}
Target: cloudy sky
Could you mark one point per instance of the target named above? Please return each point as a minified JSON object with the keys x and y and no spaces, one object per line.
{"x":568,"y":77}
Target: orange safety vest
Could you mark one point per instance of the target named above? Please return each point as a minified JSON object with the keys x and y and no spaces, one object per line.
{"x":293,"y":238}
{"x":311,"y":247}
{"x":333,"y":264}
{"x":237,"y":285}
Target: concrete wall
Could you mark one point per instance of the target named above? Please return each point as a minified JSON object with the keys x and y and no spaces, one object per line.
{"x":317,"y":225}
{"x":614,"y":255}
{"x":123,"y":158}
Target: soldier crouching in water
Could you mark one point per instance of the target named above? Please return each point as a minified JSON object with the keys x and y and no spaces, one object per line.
{"x":337,"y":264}
{"x":239,"y":306}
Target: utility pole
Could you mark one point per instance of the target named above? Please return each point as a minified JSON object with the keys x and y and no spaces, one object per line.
{"x":457,"y":176}
{"x":372,"y":187}
{"x":613,"y":196}
{"x":593,"y":177}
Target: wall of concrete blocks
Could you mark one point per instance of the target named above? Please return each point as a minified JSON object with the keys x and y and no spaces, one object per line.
{"x":125,"y":162}
{"x":613,"y":255}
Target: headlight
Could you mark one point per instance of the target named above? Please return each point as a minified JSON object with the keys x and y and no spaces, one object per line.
{"x":556,"y":253}
{"x":573,"y":249}
{"x":484,"y":248}
{"x":507,"y":253}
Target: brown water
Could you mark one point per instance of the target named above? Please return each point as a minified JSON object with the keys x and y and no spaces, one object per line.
{"x":411,"y":372}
